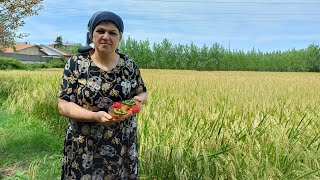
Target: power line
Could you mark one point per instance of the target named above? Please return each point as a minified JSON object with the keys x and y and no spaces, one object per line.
{"x":283,"y":15}
{"x":214,"y":20}
{"x":219,"y":21}
{"x":208,"y":13}
{"x":203,"y":20}
{"x":227,"y":21}
{"x":233,"y":2}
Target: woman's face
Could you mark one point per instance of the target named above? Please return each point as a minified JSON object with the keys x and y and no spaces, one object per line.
{"x":106,"y":37}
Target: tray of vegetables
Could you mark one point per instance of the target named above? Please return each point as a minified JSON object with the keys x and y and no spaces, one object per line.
{"x":124,"y":109}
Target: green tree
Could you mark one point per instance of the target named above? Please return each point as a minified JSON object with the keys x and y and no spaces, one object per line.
{"x":313,"y":57}
{"x":73,"y":49}
{"x":12,"y":15}
{"x":58,"y":41}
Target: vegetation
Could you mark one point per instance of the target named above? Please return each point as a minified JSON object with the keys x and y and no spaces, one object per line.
{"x":69,"y":49}
{"x":73,"y":49}
{"x":58,"y":42}
{"x":196,"y":125}
{"x":11,"y":64}
{"x":166,"y":55}
{"x":56,"y":62}
{"x":12,"y":15}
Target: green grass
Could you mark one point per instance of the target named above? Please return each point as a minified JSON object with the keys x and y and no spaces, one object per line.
{"x":196,"y":125}
{"x":29,"y":145}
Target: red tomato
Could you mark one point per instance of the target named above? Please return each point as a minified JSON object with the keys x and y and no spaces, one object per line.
{"x":116,"y":105}
{"x":135,"y":108}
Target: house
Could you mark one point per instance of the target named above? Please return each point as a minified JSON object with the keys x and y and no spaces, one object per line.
{"x":24,"y":48}
{"x":51,"y":51}
{"x":64,"y":45}
{"x":39,"y":50}
{"x":31,"y":53}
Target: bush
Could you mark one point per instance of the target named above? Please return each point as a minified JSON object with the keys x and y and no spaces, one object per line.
{"x":11,"y":63}
{"x":56,"y":63}
{"x":35,"y":66}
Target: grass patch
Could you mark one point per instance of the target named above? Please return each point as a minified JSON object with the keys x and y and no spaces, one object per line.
{"x":28,"y":145}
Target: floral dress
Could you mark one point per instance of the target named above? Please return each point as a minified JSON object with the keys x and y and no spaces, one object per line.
{"x":93,"y":151}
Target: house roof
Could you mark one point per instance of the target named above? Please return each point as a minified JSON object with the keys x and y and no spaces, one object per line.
{"x":18,"y":47}
{"x":52,"y":46}
{"x":49,"y":51}
{"x":65,"y":44}
{"x":52,"y":51}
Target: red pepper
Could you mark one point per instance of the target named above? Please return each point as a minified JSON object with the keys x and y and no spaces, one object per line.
{"x":135,"y":108}
{"x":116,"y":105}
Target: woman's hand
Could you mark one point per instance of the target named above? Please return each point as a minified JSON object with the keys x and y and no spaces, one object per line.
{"x":75,"y":112}
{"x":138,"y":99}
{"x":141,"y":98}
{"x":105,"y":119}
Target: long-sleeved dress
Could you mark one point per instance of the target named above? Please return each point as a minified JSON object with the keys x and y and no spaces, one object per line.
{"x":93,"y":151}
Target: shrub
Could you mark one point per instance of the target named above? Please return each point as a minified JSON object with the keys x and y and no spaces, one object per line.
{"x":35,"y":66}
{"x":56,"y":63}
{"x":11,"y":63}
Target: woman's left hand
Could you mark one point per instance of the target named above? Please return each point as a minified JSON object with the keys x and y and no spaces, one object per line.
{"x":138,"y":99}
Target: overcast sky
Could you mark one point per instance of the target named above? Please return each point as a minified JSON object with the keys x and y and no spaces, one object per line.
{"x":236,"y":24}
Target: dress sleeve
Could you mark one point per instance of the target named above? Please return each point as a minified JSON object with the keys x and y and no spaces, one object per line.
{"x":138,"y":85}
{"x":68,"y":85}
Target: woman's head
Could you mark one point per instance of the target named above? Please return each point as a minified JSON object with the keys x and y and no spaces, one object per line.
{"x":103,"y":16}
{"x":106,"y":37}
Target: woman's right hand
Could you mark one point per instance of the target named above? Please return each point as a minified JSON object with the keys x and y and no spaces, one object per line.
{"x":105,"y":119}
{"x":78,"y":113}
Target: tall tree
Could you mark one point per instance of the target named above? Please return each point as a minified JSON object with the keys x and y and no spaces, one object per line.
{"x":12,"y":15}
{"x":58,"y":41}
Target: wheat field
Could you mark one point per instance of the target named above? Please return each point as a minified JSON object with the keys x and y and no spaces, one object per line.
{"x":199,"y":124}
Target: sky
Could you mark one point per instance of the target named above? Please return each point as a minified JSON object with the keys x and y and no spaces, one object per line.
{"x":264,"y":25}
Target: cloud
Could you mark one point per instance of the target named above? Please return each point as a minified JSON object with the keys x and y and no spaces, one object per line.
{"x":306,"y":37}
{"x":265,"y":26}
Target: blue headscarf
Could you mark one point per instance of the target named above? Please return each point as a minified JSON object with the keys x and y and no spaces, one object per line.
{"x":94,"y":21}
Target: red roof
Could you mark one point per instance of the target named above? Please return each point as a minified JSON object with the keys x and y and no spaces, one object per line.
{"x":21,"y":46}
{"x":18,"y":47}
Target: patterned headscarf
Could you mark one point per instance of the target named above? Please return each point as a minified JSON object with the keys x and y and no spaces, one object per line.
{"x":94,"y":21}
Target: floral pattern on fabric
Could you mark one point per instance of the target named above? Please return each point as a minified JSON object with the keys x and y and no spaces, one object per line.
{"x":93,"y":151}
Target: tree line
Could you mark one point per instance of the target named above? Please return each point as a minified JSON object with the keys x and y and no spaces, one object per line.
{"x":166,"y":55}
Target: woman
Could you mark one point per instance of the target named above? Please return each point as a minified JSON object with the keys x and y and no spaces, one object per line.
{"x":97,"y":146}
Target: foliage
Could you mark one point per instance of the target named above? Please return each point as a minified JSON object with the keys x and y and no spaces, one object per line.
{"x":17,"y":176}
{"x":10,"y":63}
{"x":35,"y":66}
{"x":73,"y":49}
{"x":69,"y":49}
{"x":58,"y":41}
{"x":166,"y":55}
{"x":12,"y":14}
{"x":313,"y":58}
{"x":56,"y":62}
